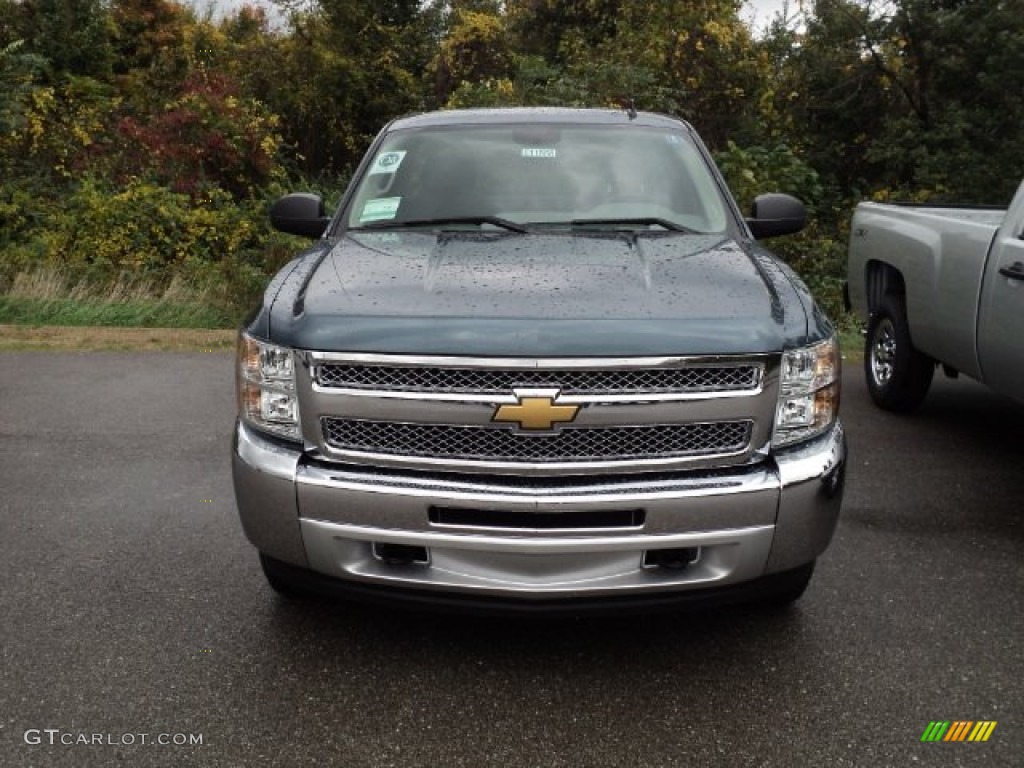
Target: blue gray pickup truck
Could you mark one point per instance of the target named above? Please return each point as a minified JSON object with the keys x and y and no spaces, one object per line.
{"x":538,"y":360}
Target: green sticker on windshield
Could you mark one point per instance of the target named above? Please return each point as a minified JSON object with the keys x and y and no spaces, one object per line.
{"x":546,"y":153}
{"x":380,"y":209}
{"x":387,"y":162}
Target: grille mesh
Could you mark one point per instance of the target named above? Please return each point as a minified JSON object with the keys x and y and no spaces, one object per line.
{"x":567,"y":445}
{"x":708,"y":378}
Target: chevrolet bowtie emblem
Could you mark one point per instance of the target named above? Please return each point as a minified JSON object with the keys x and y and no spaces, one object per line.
{"x":536,"y":413}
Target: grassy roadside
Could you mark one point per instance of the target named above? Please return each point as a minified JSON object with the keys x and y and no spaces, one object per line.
{"x":18,"y":310}
{"x":47,"y":296}
{"x":43,"y":309}
{"x":851,"y":345}
{"x":87,"y":339}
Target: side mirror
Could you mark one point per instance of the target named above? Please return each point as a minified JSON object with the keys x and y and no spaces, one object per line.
{"x":299,"y":213}
{"x":776,"y":214}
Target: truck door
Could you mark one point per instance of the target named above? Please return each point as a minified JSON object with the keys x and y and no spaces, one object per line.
{"x":1001,"y":314}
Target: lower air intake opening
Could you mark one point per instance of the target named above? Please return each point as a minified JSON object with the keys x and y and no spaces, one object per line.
{"x":400,"y":554}
{"x":672,"y":559}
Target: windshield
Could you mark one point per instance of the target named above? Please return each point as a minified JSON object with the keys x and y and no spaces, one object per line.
{"x":539,"y":176}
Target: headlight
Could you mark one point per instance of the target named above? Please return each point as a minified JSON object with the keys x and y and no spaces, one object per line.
{"x":266,"y":387}
{"x":808,"y":393}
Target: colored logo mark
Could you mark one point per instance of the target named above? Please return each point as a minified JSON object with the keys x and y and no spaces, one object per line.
{"x":958,"y":730}
{"x":539,"y":413}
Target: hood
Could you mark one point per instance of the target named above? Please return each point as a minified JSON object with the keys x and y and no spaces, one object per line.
{"x":541,"y":295}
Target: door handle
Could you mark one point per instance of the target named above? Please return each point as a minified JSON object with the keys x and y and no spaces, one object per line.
{"x":1015,"y":271}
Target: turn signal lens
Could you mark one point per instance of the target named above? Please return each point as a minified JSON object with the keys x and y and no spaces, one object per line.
{"x":808,"y":392}
{"x":266,"y":387}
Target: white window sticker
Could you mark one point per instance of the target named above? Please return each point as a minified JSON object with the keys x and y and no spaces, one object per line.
{"x":387,"y":162}
{"x":380,"y":209}
{"x":540,"y":152}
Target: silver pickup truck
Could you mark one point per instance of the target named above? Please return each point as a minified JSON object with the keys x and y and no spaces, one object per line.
{"x":537,"y":359}
{"x":938,"y":285}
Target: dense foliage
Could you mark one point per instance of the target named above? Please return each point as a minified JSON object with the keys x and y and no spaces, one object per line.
{"x":141,"y":141}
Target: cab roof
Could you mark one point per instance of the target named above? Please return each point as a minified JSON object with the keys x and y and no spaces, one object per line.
{"x":533,"y":115}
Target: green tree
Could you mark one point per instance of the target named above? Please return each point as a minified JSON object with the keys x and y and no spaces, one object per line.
{"x":955,"y":67}
{"x":347,"y":68}
{"x":74,"y":36}
{"x":18,"y":71}
{"x":827,"y":98}
{"x":912,"y":98}
{"x":694,"y":60}
{"x":476,"y":48}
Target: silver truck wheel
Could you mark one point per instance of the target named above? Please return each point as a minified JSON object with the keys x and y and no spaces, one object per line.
{"x":882,"y":353}
{"x":898,"y":375}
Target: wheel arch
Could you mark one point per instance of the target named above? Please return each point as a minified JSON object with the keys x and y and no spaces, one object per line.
{"x":882,"y":279}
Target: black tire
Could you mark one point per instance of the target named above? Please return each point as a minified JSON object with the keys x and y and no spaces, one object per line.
{"x":790,"y":588}
{"x":277,"y":574}
{"x":898,"y":375}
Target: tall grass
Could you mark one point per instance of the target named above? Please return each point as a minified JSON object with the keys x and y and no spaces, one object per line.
{"x":46,"y":296}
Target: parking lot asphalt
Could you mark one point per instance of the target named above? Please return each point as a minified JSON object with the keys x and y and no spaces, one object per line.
{"x":133,"y":610}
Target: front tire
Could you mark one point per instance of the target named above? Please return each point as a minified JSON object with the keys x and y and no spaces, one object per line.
{"x":898,"y":375}
{"x":790,"y":587}
{"x":277,"y":574}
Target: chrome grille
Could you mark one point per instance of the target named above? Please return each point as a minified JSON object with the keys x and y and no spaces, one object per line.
{"x":702,"y":378}
{"x":567,"y":445}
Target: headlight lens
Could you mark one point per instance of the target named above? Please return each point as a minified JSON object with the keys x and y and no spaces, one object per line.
{"x":266,"y":387}
{"x":808,"y":392}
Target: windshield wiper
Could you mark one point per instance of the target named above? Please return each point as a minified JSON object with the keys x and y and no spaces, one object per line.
{"x":496,"y":221}
{"x":640,"y":222}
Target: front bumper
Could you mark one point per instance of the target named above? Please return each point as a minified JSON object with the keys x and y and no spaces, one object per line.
{"x":735,"y":525}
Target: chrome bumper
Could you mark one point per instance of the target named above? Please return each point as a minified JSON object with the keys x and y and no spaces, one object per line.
{"x":740,"y":524}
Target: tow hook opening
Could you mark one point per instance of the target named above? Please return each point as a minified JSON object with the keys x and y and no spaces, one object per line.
{"x":672,"y":559}
{"x":833,"y":482}
{"x":400,"y":554}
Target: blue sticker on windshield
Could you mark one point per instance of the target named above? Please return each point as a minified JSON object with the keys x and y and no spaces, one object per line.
{"x":387,"y":162}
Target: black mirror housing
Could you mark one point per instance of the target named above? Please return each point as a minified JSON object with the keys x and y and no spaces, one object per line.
{"x":776,"y":214}
{"x":299,"y":213}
